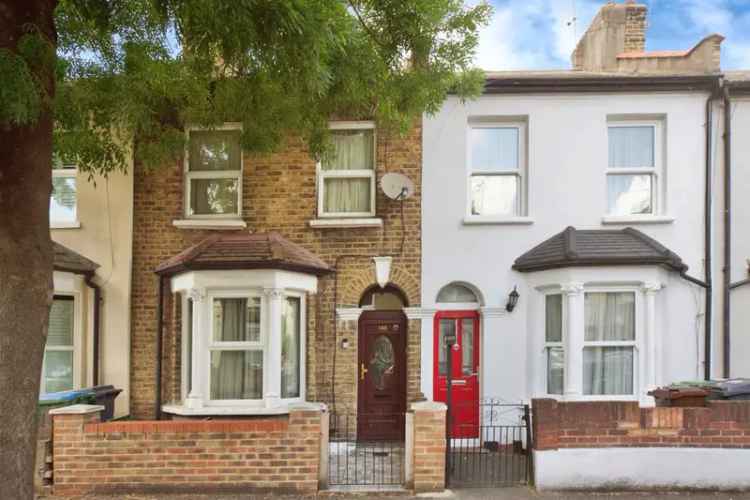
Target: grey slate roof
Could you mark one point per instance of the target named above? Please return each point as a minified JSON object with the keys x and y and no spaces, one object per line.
{"x":67,"y":260}
{"x":598,"y":247}
{"x":243,"y":250}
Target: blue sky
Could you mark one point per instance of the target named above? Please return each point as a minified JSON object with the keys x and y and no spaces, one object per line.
{"x":536,"y":34}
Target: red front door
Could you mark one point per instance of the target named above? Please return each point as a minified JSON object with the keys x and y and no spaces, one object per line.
{"x":464,"y":356}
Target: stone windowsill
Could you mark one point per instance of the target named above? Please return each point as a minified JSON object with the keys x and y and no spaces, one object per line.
{"x":637,"y":219}
{"x":74,"y":224}
{"x":347,"y":223}
{"x":176,"y":409}
{"x":225,"y":224}
{"x":470,"y":220}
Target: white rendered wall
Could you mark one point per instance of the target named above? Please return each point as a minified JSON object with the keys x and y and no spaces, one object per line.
{"x":642,"y":469}
{"x":567,"y":157}
{"x":740,"y":297}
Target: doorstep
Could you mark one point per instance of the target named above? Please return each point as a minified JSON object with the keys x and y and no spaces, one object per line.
{"x":365,"y":491}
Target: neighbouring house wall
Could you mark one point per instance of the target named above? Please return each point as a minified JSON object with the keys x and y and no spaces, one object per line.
{"x":617,"y":445}
{"x":616,"y":28}
{"x":740,"y":297}
{"x":280,"y":454}
{"x":105,"y":210}
{"x":279,"y":194}
{"x":566,"y":186}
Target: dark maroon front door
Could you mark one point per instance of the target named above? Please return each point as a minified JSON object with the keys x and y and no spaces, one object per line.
{"x":381,"y":374}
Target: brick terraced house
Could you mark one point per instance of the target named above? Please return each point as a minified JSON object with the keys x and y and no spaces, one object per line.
{"x":267,"y":265}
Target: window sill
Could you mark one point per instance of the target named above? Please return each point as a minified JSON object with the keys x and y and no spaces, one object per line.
{"x":471,"y":220}
{"x":637,"y":219}
{"x":344,"y":223}
{"x":225,"y":410}
{"x":76,"y":224}
{"x":225,"y":224}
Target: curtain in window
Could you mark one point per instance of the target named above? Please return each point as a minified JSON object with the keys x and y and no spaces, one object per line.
{"x":352,"y":150}
{"x":290,"y":349}
{"x":58,"y":355}
{"x":236,"y":374}
{"x":494,"y":148}
{"x":631,"y":147}
{"x":608,"y":317}
{"x":553,"y":318}
{"x":229,"y":320}
{"x":629,"y":194}
{"x":553,"y":333}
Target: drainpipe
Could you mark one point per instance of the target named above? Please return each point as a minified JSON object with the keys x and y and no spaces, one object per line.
{"x":727,"y":231}
{"x":159,"y":329}
{"x":708,"y":316}
{"x":89,"y":280}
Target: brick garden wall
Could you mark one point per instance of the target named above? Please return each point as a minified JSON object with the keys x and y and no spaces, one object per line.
{"x":268,"y":453}
{"x":279,"y":194}
{"x":559,"y":425}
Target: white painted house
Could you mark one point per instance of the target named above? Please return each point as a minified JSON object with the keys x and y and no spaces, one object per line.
{"x":584,"y":190}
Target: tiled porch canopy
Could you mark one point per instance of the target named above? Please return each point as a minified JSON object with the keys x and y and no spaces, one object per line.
{"x":244,"y":328}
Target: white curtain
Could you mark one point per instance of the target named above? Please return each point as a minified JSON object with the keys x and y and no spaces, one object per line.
{"x":631,"y":147}
{"x":352,"y":150}
{"x":234,"y":374}
{"x":609,"y":317}
{"x":290,"y":349}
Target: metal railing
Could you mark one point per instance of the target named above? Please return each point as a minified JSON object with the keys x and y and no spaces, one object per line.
{"x":366,"y":450}
{"x":488,"y":444}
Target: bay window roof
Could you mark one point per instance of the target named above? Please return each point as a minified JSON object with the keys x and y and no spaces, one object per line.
{"x":243,"y":250}
{"x":598,"y":247}
{"x":65,"y":259}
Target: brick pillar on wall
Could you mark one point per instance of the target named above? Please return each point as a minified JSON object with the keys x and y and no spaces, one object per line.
{"x":545,"y":424}
{"x":67,"y":443}
{"x":428,"y":443}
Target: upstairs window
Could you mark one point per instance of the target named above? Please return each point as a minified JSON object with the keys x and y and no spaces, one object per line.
{"x":346,"y":177}
{"x":214,"y":173}
{"x":497,"y":160}
{"x":57,"y":369}
{"x":63,"y":206}
{"x":632,"y":172}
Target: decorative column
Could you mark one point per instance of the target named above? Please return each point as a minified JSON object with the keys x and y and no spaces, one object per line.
{"x":573,"y":339}
{"x":198,"y":375}
{"x":272,"y":372}
{"x":653,"y":369}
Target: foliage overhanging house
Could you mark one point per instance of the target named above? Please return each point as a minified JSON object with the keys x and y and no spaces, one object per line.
{"x":567,"y":228}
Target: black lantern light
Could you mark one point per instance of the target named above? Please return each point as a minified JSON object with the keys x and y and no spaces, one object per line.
{"x":512,"y":300}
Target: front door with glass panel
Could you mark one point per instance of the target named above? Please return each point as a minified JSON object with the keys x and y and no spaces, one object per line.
{"x":381,"y":375}
{"x":464,"y":357}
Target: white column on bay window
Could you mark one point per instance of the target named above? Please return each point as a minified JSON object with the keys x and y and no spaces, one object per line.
{"x":272,"y":389}
{"x":573,"y":339}
{"x":199,"y":328}
{"x":652,"y":339}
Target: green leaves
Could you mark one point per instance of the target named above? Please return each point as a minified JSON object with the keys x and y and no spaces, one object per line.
{"x":141,"y":70}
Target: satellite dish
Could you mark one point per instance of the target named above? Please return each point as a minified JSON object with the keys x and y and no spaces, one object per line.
{"x":397,"y":186}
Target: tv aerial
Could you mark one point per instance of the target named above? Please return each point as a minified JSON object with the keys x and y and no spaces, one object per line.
{"x":397,"y":186}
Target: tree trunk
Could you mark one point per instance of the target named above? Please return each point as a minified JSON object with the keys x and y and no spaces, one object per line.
{"x":25,"y":261}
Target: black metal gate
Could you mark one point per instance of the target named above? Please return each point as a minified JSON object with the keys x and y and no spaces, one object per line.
{"x":377,"y":461}
{"x":488,"y":444}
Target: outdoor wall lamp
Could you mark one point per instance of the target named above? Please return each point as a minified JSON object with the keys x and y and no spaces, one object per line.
{"x":512,"y":300}
{"x":345,"y":343}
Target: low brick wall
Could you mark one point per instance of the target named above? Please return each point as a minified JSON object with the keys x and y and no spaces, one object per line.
{"x":428,"y":441}
{"x":618,"y":445}
{"x":722,"y":424}
{"x":280,"y":453}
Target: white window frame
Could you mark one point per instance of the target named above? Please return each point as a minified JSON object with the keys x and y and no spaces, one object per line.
{"x":520,"y":172}
{"x":212,"y":174}
{"x":67,"y":171}
{"x":214,"y":345}
{"x":322,"y":175}
{"x":553,"y":345}
{"x":75,"y":348}
{"x":656,"y":171}
{"x":302,"y":345}
{"x":635,"y":343}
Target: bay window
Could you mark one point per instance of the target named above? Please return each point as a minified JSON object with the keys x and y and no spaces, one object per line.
{"x":346,"y":176}
{"x":290,"y":348}
{"x":553,"y":345}
{"x":635,"y":157}
{"x":609,"y":343}
{"x":497,"y":164}
{"x":213,"y":173}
